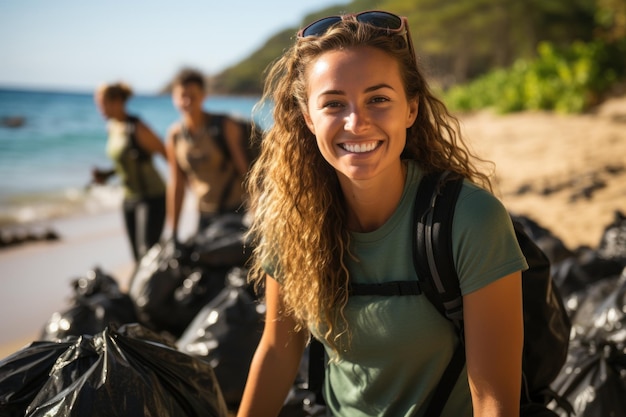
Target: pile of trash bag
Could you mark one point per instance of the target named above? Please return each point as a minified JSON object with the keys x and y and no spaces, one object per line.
{"x":97,"y":300}
{"x":174,"y":280}
{"x":593,"y":378}
{"x":225,"y":333}
{"x":183,"y":335}
{"x":196,"y":289}
{"x":128,"y":371}
{"x":593,"y":284}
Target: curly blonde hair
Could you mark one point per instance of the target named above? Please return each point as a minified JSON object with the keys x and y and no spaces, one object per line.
{"x":299,"y":226}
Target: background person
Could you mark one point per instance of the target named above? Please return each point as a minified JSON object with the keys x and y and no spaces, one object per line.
{"x":131,"y":144}
{"x":355,"y":129}
{"x":196,"y":159}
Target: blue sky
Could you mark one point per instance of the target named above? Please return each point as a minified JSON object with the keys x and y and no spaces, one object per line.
{"x":77,"y":44}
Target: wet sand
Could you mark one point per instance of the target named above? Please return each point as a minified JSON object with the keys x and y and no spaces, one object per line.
{"x":35,"y":277}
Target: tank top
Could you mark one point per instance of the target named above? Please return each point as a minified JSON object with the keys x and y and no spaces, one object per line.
{"x":211,"y":175}
{"x":135,"y":169}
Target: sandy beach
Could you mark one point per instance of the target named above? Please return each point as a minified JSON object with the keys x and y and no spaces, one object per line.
{"x":36,"y":277}
{"x":567,"y":172}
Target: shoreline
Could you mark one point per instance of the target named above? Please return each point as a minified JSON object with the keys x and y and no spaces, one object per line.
{"x":36,"y":276}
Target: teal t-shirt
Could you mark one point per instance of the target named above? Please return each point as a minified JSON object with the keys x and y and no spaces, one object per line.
{"x":401,"y":345}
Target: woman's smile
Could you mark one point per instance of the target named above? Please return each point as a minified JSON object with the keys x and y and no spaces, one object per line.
{"x":363,"y":147}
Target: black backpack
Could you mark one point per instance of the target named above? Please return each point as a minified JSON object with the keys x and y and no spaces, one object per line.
{"x":546,"y":323}
{"x":251,"y":135}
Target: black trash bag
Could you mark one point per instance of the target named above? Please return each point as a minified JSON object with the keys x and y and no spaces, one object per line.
{"x":128,"y":372}
{"x":301,"y":400}
{"x":593,"y":379}
{"x":588,"y":265}
{"x":23,"y":373}
{"x":169,"y":290}
{"x":598,"y":312}
{"x":613,"y":240}
{"x":226,"y":333}
{"x":96,"y":303}
{"x":575,"y":274}
{"x":222,"y":243}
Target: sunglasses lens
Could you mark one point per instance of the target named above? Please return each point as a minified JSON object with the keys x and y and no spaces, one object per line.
{"x":381,"y":20}
{"x":321,"y":26}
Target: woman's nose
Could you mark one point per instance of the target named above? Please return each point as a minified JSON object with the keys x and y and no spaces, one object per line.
{"x":355,"y":121}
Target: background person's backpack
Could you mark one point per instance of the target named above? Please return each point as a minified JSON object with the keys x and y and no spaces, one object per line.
{"x":546,"y":323}
{"x":251,"y":143}
{"x":251,"y":135}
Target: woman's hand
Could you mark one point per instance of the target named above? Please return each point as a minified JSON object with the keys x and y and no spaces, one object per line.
{"x":99,"y":176}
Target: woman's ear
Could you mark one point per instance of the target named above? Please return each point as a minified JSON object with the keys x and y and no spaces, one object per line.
{"x":412,"y":112}
{"x":309,"y":122}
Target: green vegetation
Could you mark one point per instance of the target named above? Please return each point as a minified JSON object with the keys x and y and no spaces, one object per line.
{"x":507,"y":54}
{"x":567,"y":80}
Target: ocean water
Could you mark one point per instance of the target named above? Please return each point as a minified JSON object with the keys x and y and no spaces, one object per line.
{"x":45,"y":163}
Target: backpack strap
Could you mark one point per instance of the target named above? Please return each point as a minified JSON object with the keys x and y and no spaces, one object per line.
{"x":434,"y":263}
{"x":215,"y":127}
{"x":446,"y":383}
{"x":136,"y":151}
{"x":432,"y":254}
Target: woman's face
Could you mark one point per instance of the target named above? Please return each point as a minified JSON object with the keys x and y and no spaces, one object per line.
{"x":188,"y":98}
{"x":358,"y":111}
{"x":105,"y":105}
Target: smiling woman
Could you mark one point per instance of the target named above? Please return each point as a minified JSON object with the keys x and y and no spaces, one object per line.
{"x":355,"y":119}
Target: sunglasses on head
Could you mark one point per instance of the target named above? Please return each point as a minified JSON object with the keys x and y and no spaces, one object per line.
{"x":393,"y":24}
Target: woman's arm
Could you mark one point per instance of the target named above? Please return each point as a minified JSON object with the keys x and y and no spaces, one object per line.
{"x":101,"y":176}
{"x":494,"y":336}
{"x":176,"y":184}
{"x":148,"y":140}
{"x":236,"y":143}
{"x":276,"y":361}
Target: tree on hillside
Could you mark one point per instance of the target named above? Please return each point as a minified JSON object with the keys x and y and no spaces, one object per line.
{"x":247,"y":76}
{"x":459,"y":39}
{"x":610,"y":18}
